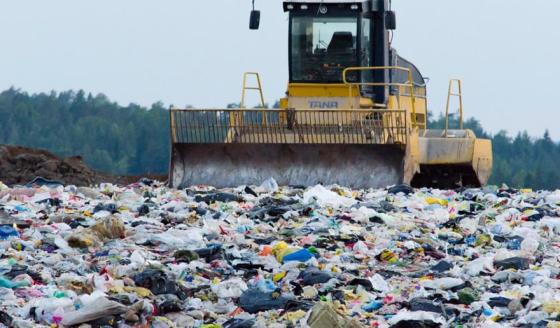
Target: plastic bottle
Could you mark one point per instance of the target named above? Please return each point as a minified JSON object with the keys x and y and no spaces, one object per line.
{"x":7,"y":231}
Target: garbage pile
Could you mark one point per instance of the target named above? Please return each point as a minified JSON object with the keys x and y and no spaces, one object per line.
{"x":144,"y":255}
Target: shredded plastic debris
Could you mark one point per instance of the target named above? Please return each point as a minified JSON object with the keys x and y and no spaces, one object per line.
{"x":145,"y":255}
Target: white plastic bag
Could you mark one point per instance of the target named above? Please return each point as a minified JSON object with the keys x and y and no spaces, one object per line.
{"x":325,"y":197}
{"x":102,"y":307}
{"x":442,"y":283}
{"x":269,"y":185}
{"x":232,"y":288}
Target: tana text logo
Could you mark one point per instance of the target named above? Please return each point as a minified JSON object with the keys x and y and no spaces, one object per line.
{"x":323,"y":104}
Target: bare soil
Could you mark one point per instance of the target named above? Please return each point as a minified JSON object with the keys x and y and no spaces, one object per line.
{"x":20,"y":165}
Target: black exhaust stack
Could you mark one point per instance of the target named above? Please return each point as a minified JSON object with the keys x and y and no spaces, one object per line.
{"x":383,"y":20}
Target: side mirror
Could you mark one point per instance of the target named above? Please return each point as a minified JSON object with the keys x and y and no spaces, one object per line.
{"x":391,"y":20}
{"x":255,"y":20}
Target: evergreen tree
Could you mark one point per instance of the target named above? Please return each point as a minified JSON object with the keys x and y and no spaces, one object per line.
{"x":135,"y":140}
{"x":111,"y":138}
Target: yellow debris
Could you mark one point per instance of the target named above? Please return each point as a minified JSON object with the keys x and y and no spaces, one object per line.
{"x":295,"y":316}
{"x":551,"y":307}
{"x":279,"y":276}
{"x":140,"y":291}
{"x":433,"y":201}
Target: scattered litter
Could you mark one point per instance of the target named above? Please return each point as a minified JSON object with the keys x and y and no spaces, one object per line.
{"x":144,"y":255}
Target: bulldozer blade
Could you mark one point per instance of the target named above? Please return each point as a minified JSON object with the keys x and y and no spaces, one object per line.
{"x":229,"y":165}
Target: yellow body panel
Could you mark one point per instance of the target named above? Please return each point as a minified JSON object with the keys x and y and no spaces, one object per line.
{"x":321,"y":96}
{"x":341,"y":96}
{"x":412,"y":157}
{"x":482,"y":159}
{"x":319,"y":90}
{"x":405,"y":103}
{"x":441,"y":151}
{"x":283,"y":103}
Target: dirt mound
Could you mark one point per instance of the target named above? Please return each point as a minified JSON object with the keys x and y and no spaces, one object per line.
{"x":20,"y":165}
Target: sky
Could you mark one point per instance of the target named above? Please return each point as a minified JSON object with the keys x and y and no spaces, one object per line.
{"x":194,"y":52}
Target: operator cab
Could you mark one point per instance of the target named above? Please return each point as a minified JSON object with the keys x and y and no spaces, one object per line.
{"x":326,"y":37}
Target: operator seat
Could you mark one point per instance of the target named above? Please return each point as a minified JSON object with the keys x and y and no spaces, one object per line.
{"x":341,"y":54}
{"x":341,"y":43}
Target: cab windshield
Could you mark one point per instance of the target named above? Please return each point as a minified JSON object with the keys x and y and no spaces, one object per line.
{"x":322,"y":46}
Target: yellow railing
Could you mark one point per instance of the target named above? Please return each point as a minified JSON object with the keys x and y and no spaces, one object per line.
{"x":288,"y":126}
{"x":257,"y":88}
{"x":409,"y":84}
{"x":458,"y":94}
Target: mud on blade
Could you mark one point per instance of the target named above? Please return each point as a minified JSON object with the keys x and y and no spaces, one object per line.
{"x":227,"y":165}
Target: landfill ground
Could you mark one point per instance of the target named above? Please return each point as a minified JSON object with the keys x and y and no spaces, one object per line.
{"x":134,"y":253}
{"x":144,"y":255}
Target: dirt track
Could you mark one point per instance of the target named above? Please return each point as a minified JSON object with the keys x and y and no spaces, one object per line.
{"x":20,"y":165}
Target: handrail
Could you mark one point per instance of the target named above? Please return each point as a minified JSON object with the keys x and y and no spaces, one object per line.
{"x":257,"y":88}
{"x":281,"y":110}
{"x":408,"y":84}
{"x":173,"y":129}
{"x":289,"y":126}
{"x":459,"y":94}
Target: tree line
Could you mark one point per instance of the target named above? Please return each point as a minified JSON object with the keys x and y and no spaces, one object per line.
{"x":134,"y":140}
{"x":109,"y":137}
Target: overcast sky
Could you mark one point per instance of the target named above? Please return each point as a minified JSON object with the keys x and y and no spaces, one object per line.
{"x":194,"y":52}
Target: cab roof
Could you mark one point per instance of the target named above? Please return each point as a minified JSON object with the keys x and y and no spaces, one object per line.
{"x":324,"y":1}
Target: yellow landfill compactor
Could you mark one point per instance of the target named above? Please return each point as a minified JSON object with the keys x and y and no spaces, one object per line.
{"x":355,"y":114}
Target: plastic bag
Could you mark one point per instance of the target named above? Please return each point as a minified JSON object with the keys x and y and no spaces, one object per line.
{"x":102,"y":307}
{"x":232,"y":288}
{"x":325,"y":197}
{"x":442,"y":283}
{"x":269,"y":185}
